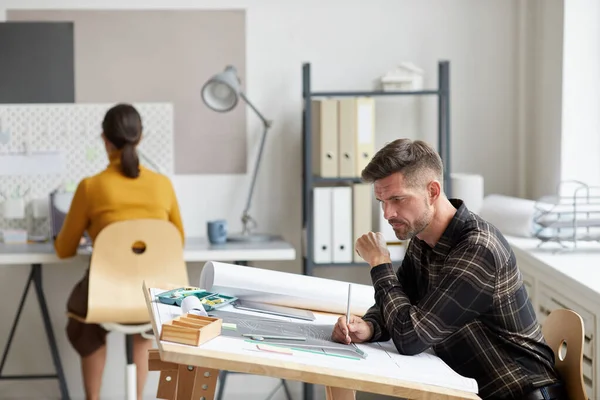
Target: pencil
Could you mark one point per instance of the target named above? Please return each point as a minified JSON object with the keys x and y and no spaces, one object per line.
{"x":348,"y":306}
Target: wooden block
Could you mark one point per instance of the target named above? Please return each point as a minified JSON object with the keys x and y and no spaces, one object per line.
{"x":191,"y":329}
{"x":156,"y":364}
{"x":335,"y":393}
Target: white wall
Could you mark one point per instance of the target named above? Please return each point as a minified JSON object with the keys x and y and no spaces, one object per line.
{"x":581,"y":97}
{"x":349,"y":45}
{"x":543,"y":96}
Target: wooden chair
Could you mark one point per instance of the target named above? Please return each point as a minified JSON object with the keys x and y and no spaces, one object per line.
{"x":126,"y":253}
{"x":564,"y":332}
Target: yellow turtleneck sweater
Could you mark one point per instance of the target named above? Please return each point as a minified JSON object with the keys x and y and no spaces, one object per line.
{"x":109,"y":197}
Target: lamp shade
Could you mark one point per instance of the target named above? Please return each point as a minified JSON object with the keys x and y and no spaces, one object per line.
{"x":221,"y":91}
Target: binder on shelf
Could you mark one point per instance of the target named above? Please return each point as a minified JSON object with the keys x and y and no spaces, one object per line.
{"x":364,"y":149}
{"x":322,"y":218}
{"x":341,"y":210}
{"x":324,"y":126}
{"x":347,"y":137}
{"x":365,"y":132}
{"x":396,"y":246}
{"x":362,"y":206}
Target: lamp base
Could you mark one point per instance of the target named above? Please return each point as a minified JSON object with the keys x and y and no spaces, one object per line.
{"x":250,"y":237}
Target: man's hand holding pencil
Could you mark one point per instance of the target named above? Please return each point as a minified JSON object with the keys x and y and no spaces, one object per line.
{"x":357,"y":331}
{"x":350,"y":328}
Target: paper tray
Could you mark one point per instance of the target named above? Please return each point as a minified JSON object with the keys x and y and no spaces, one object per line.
{"x":210,"y":300}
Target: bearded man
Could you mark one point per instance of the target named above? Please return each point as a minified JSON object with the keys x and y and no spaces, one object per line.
{"x":458,"y":291}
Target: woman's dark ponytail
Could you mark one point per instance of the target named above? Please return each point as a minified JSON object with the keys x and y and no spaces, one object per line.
{"x":130,"y":163}
{"x":122,"y":127}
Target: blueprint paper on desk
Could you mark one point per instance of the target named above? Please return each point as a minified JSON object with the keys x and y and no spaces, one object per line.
{"x":383,"y":359}
{"x":317,"y":336}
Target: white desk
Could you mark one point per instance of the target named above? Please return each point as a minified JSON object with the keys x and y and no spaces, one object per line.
{"x":196,"y":249}
{"x":36,"y":254}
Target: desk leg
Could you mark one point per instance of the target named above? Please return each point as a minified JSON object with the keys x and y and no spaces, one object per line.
{"x":308,"y":389}
{"x":37,"y":279}
{"x":167,"y":384}
{"x":182,"y":382}
{"x":35,"y":276}
{"x":334,"y":393}
{"x":196,"y":383}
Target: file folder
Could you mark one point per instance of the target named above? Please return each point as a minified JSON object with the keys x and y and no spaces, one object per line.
{"x":347,"y":137}
{"x":396,"y":246}
{"x":342,"y":224}
{"x":365,"y":132}
{"x":322,"y":252}
{"x":362,"y":207}
{"x":324,"y":135}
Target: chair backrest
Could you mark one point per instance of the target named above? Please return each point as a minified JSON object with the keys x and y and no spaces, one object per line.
{"x":564,"y":332}
{"x":117,"y":271}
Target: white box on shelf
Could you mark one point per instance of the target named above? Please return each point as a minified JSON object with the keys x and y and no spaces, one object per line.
{"x":406,"y":76}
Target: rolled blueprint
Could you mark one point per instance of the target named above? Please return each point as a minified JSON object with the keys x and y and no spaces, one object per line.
{"x":513,"y":216}
{"x":285,"y":289}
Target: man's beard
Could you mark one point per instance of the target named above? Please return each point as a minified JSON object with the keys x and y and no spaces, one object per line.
{"x":406,"y":232}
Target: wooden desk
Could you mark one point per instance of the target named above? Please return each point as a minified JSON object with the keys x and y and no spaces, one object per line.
{"x":190,"y":372}
{"x":36,"y":254}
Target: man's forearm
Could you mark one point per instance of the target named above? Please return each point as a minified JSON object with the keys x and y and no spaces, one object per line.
{"x":392,"y":301}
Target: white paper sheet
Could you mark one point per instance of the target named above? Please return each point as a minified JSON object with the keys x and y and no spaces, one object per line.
{"x":285,"y":289}
{"x":32,"y":164}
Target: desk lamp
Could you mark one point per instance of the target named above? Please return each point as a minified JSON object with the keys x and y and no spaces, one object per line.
{"x":221,"y":93}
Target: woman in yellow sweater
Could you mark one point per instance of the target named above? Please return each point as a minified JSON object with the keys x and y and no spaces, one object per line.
{"x":124,"y":190}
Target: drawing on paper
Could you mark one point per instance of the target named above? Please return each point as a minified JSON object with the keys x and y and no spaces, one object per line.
{"x":318,"y":337}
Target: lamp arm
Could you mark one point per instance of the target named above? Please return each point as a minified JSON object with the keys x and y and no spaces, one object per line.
{"x":265,"y":121}
{"x":246,"y":219}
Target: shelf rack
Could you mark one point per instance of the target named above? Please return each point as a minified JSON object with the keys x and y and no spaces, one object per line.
{"x":309,"y":181}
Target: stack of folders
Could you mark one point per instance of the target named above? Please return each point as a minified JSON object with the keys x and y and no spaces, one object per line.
{"x":343,"y":137}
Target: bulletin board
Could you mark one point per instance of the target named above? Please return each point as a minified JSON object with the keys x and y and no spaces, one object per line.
{"x":71,"y":133}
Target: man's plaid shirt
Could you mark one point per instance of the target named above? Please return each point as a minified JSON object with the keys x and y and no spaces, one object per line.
{"x":465,"y":298}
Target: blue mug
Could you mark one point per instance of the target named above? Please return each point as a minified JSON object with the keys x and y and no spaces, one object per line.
{"x":217,"y":231}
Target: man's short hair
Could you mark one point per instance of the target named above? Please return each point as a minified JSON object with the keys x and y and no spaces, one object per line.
{"x":416,"y":160}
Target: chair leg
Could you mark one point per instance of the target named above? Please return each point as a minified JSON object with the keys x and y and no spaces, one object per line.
{"x":131,"y":383}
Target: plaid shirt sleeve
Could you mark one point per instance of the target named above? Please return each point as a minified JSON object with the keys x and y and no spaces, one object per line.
{"x":373,"y":314}
{"x":465,"y":291}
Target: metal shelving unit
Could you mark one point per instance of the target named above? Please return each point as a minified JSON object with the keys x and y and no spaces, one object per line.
{"x":309,"y":181}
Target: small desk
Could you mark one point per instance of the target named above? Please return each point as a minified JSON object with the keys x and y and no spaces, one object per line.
{"x":36,"y":254}
{"x":191,"y":372}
